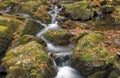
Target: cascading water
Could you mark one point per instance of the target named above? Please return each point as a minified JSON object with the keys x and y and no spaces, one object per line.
{"x":67,"y":72}
{"x":8,"y":9}
{"x":63,"y":54}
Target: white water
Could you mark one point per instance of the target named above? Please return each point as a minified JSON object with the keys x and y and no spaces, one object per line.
{"x":8,"y":9}
{"x":67,"y":72}
{"x":63,"y":66}
{"x":40,"y":23}
{"x":54,"y":13}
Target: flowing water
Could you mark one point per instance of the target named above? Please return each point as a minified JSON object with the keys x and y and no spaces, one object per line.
{"x":8,"y":9}
{"x":62,"y":53}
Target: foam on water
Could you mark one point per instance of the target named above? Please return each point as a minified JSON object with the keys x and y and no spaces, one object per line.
{"x":67,"y":72}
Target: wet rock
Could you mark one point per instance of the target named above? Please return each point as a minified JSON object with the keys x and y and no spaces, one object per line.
{"x":29,"y":60}
{"x":58,"y":36}
{"x":90,"y":54}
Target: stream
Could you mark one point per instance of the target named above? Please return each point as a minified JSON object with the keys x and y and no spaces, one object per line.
{"x":60,"y":39}
{"x":60,"y":55}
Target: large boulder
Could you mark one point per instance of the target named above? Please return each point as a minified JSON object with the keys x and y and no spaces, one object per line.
{"x":28,"y":61}
{"x":91,"y":57}
{"x":58,"y":37}
{"x":79,"y":10}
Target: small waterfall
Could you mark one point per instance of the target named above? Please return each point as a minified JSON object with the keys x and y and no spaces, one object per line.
{"x":60,"y":54}
{"x":8,"y":9}
{"x":67,"y":72}
{"x":54,"y":13}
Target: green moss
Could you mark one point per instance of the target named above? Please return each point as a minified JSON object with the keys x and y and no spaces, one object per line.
{"x":31,"y":28}
{"x":28,"y":58}
{"x":117,"y":9}
{"x":89,"y":54}
{"x":41,"y":13}
{"x":32,"y":6}
{"x":73,"y":24}
{"x":89,"y":41}
{"x":3,"y":6}
{"x":3,"y":28}
{"x":80,"y":10}
{"x":108,"y":9}
{"x":58,"y":36}
{"x":80,"y":35}
{"x":27,"y":38}
{"x":83,"y":5}
{"x":7,"y":28}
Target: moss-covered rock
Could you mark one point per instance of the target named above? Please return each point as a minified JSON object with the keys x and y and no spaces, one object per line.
{"x":117,"y":17}
{"x":80,"y":10}
{"x":115,"y":73}
{"x":108,"y":9}
{"x":89,"y":41}
{"x":6,"y":3}
{"x":28,"y":61}
{"x":73,"y":24}
{"x":107,"y":22}
{"x":32,"y":6}
{"x":99,"y":74}
{"x":79,"y":35}
{"x":31,"y":28}
{"x":58,"y":36}
{"x":38,"y":9}
{"x":28,"y":38}
{"x":90,"y":54}
{"x":41,"y":13}
{"x":7,"y":29}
